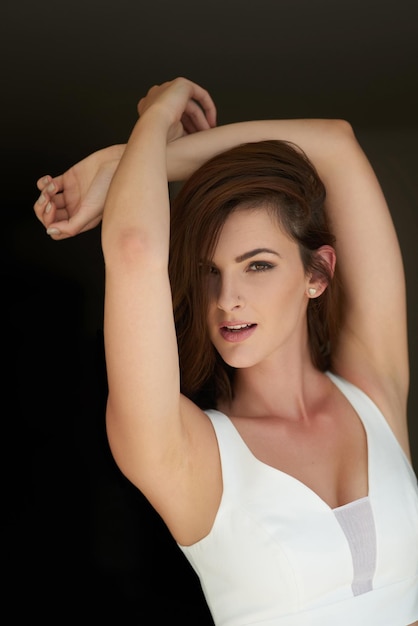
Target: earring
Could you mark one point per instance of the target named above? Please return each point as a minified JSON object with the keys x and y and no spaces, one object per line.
{"x":311,"y":291}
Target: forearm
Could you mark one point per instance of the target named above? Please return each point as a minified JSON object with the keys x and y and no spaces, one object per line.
{"x":81,"y":191}
{"x":187,"y":154}
{"x":317,"y":137}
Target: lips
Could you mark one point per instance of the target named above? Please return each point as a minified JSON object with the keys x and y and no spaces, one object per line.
{"x":237,"y":332}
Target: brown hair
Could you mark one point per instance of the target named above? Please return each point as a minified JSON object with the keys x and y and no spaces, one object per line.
{"x":274,"y":174}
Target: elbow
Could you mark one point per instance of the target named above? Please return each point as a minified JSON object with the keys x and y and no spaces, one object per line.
{"x":337,"y":136}
{"x":127,"y":246}
{"x":343,"y":129}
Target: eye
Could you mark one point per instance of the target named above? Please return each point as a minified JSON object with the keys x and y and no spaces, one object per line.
{"x":260,"y":266}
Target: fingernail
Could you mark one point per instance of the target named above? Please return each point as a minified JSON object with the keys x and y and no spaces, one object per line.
{"x":53,"y":231}
{"x":48,"y":207}
{"x":50,"y":188}
{"x":41,"y":199}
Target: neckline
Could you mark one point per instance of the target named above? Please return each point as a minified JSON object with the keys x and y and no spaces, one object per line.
{"x":336,"y":381}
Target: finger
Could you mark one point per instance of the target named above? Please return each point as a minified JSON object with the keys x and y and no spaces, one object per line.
{"x":55,"y":233}
{"x":48,"y":188}
{"x":45,"y":204}
{"x":190,"y":125}
{"x":59,"y":201}
{"x":71,"y":227}
{"x":42,"y":206}
{"x":43,"y":183}
{"x":195,"y":116}
{"x":50,"y":212}
{"x":206,"y":104}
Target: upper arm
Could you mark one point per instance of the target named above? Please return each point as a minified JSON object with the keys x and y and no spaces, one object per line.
{"x":140,"y":345}
{"x":161,"y":441}
{"x":373,"y":338}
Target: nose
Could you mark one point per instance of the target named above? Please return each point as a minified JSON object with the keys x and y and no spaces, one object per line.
{"x":229,"y":297}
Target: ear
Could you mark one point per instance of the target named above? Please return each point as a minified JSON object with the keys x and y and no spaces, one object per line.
{"x":317,"y":281}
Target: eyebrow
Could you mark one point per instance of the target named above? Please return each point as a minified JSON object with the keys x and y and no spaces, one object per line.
{"x":251,"y":253}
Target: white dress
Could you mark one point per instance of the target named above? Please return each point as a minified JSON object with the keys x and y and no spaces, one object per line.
{"x":278,"y":555}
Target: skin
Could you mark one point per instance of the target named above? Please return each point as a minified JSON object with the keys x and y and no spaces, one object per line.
{"x":289,"y":414}
{"x":268,"y":289}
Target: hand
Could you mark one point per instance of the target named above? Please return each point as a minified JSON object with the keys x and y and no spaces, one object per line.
{"x":73,"y":202}
{"x":192,"y":109}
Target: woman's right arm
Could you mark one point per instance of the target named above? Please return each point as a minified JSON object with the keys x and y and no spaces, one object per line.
{"x":162,"y":442}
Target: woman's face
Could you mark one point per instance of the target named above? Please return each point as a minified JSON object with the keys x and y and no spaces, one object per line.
{"x":257,"y":290}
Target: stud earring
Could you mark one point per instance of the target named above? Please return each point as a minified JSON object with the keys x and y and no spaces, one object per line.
{"x":311,"y":291}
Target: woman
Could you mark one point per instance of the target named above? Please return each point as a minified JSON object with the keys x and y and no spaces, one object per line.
{"x":277,"y":453}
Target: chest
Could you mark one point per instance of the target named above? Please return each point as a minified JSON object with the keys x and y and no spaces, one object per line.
{"x":327,"y":453}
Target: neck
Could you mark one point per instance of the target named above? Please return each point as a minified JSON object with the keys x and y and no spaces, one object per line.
{"x":288,"y":388}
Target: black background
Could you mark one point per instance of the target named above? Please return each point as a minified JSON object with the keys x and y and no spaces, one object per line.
{"x":79,"y":541}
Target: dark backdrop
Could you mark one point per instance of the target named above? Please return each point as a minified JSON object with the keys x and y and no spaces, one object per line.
{"x":79,"y":541}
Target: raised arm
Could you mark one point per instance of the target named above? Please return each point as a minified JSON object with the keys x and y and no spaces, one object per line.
{"x":373,"y":344}
{"x":148,"y":422}
{"x":372,"y":351}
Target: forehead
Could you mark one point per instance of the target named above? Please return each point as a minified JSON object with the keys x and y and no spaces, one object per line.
{"x":249,"y":228}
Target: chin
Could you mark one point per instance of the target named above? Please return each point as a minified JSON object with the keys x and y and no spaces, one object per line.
{"x":238,"y":362}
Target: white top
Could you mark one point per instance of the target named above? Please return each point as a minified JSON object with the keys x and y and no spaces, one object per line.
{"x":278,"y":555}
{"x":357,"y":521}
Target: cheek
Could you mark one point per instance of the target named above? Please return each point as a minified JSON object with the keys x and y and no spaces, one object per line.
{"x":290,"y":296}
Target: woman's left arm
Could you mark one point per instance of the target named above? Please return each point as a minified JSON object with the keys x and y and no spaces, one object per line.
{"x":372,"y":349}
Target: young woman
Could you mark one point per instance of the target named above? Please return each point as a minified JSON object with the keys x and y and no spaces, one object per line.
{"x":257,"y":380}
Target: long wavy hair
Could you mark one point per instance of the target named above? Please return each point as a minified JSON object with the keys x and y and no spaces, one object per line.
{"x":273,"y":174}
